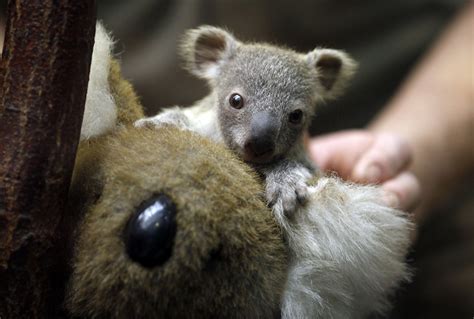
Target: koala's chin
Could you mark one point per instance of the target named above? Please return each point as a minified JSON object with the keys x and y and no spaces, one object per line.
{"x":258,"y":150}
{"x":265,"y":158}
{"x":252,"y":159}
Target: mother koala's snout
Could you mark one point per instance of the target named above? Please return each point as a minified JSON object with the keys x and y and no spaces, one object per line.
{"x":260,"y":143}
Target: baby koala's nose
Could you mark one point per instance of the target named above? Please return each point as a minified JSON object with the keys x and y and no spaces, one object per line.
{"x":260,"y":146}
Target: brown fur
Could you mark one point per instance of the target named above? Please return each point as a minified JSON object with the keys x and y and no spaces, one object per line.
{"x":128,"y":104}
{"x":116,"y":172}
{"x":87,"y":183}
{"x":246,"y":280}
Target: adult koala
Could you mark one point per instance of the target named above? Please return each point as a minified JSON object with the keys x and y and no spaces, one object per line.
{"x":174,"y":226}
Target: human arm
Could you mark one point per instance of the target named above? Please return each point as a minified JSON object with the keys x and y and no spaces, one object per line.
{"x":434,"y":112}
{"x":429,"y":119}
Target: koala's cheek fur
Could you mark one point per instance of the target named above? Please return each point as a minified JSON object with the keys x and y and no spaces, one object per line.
{"x":233,"y":127}
{"x":288,"y":140}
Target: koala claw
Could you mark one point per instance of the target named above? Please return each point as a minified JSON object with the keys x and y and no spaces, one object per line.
{"x":287,"y":197}
{"x":302,"y":193}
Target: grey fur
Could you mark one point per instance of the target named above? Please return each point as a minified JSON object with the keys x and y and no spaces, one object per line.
{"x":273,"y":82}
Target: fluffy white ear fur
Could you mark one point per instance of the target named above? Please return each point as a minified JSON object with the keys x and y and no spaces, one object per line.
{"x":100,"y":113}
{"x":333,"y":68}
{"x":348,"y":253}
{"x":206,"y":49}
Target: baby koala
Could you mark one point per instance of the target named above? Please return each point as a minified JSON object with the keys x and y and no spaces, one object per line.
{"x":261,"y":101}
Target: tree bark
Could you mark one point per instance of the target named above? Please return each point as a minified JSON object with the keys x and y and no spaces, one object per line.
{"x":43,"y":81}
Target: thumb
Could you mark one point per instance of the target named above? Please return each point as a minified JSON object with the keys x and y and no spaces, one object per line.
{"x":403,"y":191}
{"x":385,"y":158}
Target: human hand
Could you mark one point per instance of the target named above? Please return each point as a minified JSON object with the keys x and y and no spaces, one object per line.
{"x":366,"y":157}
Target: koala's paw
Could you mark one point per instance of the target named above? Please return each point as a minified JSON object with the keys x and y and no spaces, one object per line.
{"x":287,"y":195}
{"x":167,"y":118}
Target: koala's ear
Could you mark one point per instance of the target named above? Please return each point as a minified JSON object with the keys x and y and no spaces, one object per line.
{"x":333,"y":68}
{"x":206,"y":49}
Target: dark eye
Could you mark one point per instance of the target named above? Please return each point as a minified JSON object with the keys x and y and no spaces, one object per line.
{"x":236,"y":101}
{"x":149,"y":234}
{"x":296,"y":117}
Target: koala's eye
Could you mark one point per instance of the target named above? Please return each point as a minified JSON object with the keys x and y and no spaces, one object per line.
{"x":236,"y":101}
{"x":296,"y":117}
{"x":149,"y":234}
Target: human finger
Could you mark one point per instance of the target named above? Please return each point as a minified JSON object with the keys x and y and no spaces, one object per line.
{"x":339,"y":152}
{"x":385,"y":158}
{"x":402,"y":192}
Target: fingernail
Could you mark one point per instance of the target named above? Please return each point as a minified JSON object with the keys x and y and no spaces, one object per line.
{"x":390,"y":199}
{"x":373,"y":173}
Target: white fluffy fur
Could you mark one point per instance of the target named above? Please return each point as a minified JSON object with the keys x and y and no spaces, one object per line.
{"x":100,"y":113}
{"x":348,"y":253}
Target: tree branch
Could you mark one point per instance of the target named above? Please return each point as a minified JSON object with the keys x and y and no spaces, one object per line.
{"x":43,"y":81}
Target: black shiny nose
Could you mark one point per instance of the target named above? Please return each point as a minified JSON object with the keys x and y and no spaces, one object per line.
{"x":149,"y":234}
{"x":263,"y":131}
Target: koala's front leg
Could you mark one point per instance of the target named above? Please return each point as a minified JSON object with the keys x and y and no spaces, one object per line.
{"x":286,"y":186}
{"x":175,"y":117}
